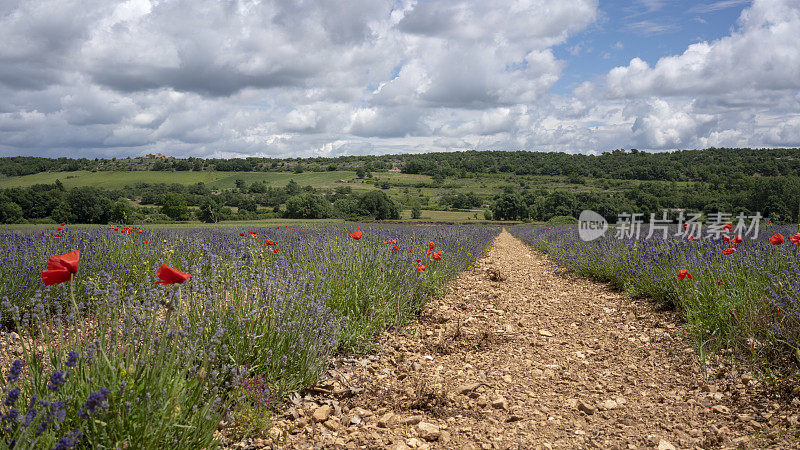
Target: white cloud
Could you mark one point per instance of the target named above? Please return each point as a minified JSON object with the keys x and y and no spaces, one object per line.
{"x":274,"y":78}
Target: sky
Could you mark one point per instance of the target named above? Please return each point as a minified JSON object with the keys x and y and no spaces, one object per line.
{"x":309,"y":78}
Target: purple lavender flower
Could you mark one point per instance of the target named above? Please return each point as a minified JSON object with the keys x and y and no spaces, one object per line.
{"x":58,"y":378}
{"x":12,"y":397}
{"x":16,"y":369}
{"x":96,"y":398}
{"x":72,"y":358}
{"x":69,"y":441}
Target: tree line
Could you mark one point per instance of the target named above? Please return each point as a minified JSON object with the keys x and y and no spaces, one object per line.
{"x":175,"y":202}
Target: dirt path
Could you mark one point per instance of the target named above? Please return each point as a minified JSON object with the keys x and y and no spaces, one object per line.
{"x":519,"y":354}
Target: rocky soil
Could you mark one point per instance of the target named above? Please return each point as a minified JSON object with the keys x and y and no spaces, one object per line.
{"x":521,"y":354}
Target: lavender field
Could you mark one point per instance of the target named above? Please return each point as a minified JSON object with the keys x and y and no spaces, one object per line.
{"x":742,"y":296}
{"x":112,"y":357}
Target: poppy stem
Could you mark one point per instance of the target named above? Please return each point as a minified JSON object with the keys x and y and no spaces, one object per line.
{"x":72,"y":293}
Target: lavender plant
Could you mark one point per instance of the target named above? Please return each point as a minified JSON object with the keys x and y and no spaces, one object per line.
{"x":154,"y":365}
{"x":745,"y":300}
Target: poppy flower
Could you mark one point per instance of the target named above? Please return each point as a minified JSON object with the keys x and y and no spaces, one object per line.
{"x":394,"y":241}
{"x":719,"y":282}
{"x":253,"y":232}
{"x":795,"y":239}
{"x":728,"y":226}
{"x":437,"y":256}
{"x":395,"y":249}
{"x":737,"y":240}
{"x":269,"y":242}
{"x":56,"y":235}
{"x":422,"y":268}
{"x":275,"y":250}
{"x":685,"y":226}
{"x":418,"y":261}
{"x":63,"y":223}
{"x":684,"y":274}
{"x":385,"y":242}
{"x":241,"y":234}
{"x":728,"y":251}
{"x":61,"y":268}
{"x":59,"y":229}
{"x":726,"y":239}
{"x":691,"y":238}
{"x":776,"y":239}
{"x":168,"y":275}
{"x":431,"y":245}
{"x":356,"y":235}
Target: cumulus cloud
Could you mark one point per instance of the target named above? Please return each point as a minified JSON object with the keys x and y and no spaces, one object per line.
{"x":309,"y":78}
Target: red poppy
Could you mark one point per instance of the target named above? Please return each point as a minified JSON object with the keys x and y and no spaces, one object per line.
{"x":728,"y":226}
{"x":356,"y":235}
{"x":241,"y":234}
{"x":737,"y":240}
{"x":275,"y":250}
{"x":685,"y":226}
{"x":59,"y":229}
{"x":395,"y":249}
{"x":141,"y":231}
{"x":168,"y":275}
{"x":776,"y":239}
{"x":418,"y":261}
{"x":385,"y":242}
{"x":684,"y":274}
{"x":269,"y":242}
{"x":691,"y":238}
{"x":728,"y":251}
{"x":61,"y":268}
{"x":422,"y":268}
{"x":56,"y":235}
{"x":144,"y":241}
{"x":394,"y":241}
{"x":719,"y":282}
{"x":63,"y":223}
{"x":431,"y":245}
{"x":437,"y":256}
{"x":253,"y":232}
{"x":795,"y":239}
{"x":726,"y":239}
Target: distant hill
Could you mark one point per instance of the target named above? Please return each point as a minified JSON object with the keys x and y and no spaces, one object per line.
{"x":504,"y":185}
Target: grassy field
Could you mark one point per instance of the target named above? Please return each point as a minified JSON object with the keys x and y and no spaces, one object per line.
{"x":215,"y":180}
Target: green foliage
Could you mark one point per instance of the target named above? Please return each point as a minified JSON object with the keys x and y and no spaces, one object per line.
{"x":509,"y":206}
{"x":174,"y":207}
{"x":416,"y":211}
{"x":562,"y":220}
{"x":307,"y":205}
{"x":379,"y":206}
{"x":10,"y":212}
{"x":210,"y":211}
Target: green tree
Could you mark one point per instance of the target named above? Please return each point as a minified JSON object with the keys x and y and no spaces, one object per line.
{"x":10,"y":212}
{"x":248,"y":204}
{"x":307,"y":205}
{"x":210,"y":211}
{"x":174,"y":206}
{"x":121,"y":212}
{"x":378,"y":205}
{"x":509,"y":206}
